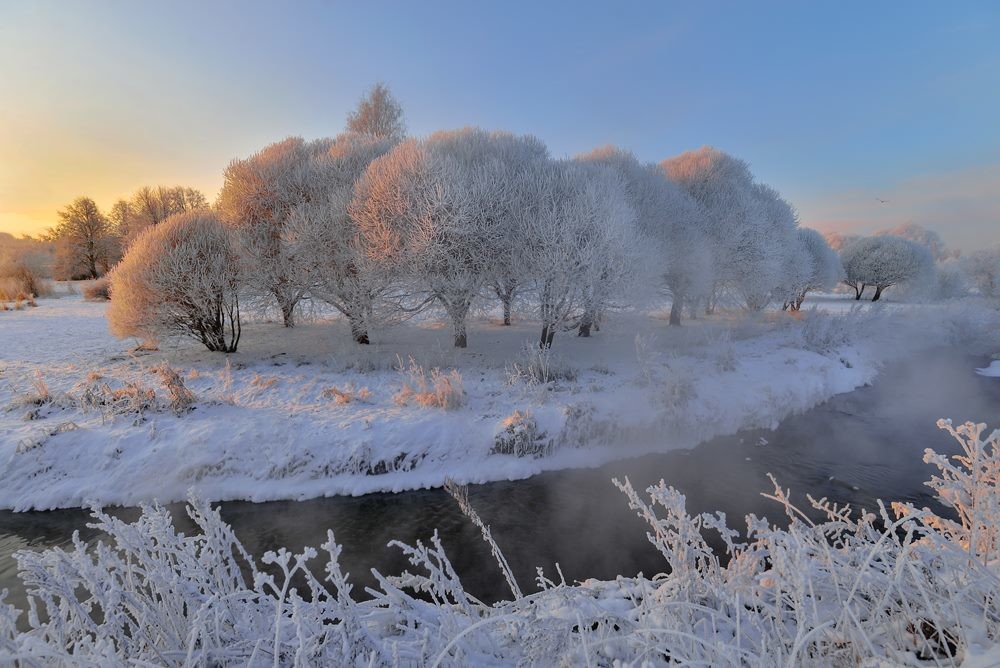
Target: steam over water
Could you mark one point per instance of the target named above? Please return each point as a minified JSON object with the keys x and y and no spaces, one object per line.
{"x":855,"y":448}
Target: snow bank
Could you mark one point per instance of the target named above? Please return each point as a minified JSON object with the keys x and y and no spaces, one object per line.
{"x":304,"y":413}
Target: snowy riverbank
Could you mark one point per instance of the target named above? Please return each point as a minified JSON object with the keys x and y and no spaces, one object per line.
{"x":303,"y":413}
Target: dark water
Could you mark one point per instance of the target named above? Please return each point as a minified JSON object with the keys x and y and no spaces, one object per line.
{"x":854,"y":448}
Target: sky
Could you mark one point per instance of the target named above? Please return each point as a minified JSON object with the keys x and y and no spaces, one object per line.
{"x":836,"y":105}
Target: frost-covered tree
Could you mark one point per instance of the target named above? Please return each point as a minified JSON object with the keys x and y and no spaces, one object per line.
{"x":257,"y":199}
{"x":797,"y":268}
{"x":883,"y":262}
{"x":577,"y":232}
{"x":183,"y":277}
{"x":748,"y":225}
{"x":378,"y":114}
{"x":825,"y":270}
{"x":770,"y":245}
{"x":669,"y":223}
{"x":838,"y":241}
{"x":437,"y":211}
{"x":951,"y":279}
{"x":921,"y":235}
{"x":151,"y":205}
{"x":323,"y":240}
{"x":983,"y":269}
{"x":85,"y":243}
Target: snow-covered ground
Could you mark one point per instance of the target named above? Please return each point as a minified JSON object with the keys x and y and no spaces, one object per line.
{"x":304,"y":412}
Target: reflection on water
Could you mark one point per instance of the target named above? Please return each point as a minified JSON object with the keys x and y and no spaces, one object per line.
{"x":854,"y":448}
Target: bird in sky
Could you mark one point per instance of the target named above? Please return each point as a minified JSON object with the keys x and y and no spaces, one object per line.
{"x":882,"y":201}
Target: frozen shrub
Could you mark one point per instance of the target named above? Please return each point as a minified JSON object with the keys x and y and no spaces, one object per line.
{"x":97,"y":291}
{"x":520,"y":436}
{"x":437,"y":389}
{"x":677,"y":391}
{"x":38,"y":396}
{"x":645,"y":356}
{"x":725,"y":360}
{"x":181,"y":398}
{"x":538,"y":366}
{"x":28,"y":263}
{"x":583,"y":427}
{"x":20,"y":276}
{"x":181,"y":276}
{"x":970,"y":485}
{"x":983,"y":269}
{"x":824,"y":333}
{"x":338,"y":396}
{"x":128,"y":399}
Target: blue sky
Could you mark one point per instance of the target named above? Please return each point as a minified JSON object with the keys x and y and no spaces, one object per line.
{"x":834,"y":104}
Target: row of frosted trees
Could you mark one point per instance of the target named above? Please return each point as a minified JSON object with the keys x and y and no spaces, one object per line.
{"x":380,"y":227}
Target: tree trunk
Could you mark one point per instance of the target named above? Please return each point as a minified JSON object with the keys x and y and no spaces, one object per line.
{"x":505,"y":290}
{"x":784,"y":307}
{"x":676,"y":307}
{"x":797,"y":304}
{"x":287,"y":311}
{"x":359,"y":332}
{"x":878,"y":293}
{"x":548,"y":332}
{"x":858,"y":291}
{"x":458,"y":322}
{"x":588,"y":321}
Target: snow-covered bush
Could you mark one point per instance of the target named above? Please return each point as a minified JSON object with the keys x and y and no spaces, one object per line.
{"x":952,"y":279}
{"x":20,"y":278}
{"x":436,"y":389}
{"x":969,"y":484}
{"x":537,"y":365}
{"x":181,"y":398}
{"x":836,"y":587}
{"x":181,"y":276}
{"x":519,"y":435}
{"x":826,"y":333}
{"x":983,"y":268}
{"x":325,"y":254}
{"x":257,"y":198}
{"x":883,"y":262}
{"x":98,"y":291}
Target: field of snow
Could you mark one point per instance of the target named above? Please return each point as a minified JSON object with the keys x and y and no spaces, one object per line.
{"x":304,"y":412}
